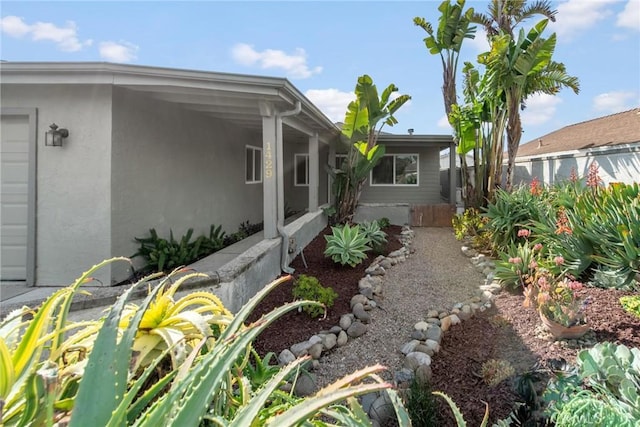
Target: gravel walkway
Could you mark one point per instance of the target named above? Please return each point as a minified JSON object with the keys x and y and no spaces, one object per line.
{"x":436,"y":276}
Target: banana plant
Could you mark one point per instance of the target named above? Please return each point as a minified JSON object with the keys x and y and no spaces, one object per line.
{"x":364,"y":119}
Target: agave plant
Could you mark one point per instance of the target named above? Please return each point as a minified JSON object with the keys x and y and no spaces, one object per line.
{"x":347,"y":245}
{"x":371,"y":229}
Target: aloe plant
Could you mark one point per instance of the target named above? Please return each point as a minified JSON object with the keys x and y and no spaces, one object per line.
{"x":347,"y":245}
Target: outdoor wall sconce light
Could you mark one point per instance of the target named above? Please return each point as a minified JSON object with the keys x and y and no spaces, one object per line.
{"x":54,"y":136}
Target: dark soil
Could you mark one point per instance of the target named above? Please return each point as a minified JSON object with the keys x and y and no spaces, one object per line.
{"x":295,"y":327}
{"x":506,"y":331}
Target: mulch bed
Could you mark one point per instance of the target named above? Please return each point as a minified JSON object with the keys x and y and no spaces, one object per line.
{"x":511,"y":332}
{"x":296,"y":327}
{"x":506,"y":331}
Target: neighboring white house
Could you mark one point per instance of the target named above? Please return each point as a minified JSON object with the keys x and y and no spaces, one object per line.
{"x":161,"y":148}
{"x":612,"y":141}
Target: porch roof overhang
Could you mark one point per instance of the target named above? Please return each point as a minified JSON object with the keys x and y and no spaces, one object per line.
{"x":415,"y":140}
{"x":232,"y":97}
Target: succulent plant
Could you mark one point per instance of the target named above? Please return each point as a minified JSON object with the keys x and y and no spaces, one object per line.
{"x":347,"y":245}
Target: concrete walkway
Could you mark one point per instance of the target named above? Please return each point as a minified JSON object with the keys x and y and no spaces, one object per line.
{"x":14,"y":295}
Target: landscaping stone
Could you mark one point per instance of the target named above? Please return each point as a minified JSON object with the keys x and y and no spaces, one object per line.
{"x":345,"y":321}
{"x":343,"y":338}
{"x":359,"y":298}
{"x":315,"y":351}
{"x":357,"y":329}
{"x":409,"y":347}
{"x":301,"y":349}
{"x":423,"y":374}
{"x":414,"y":359}
{"x":445,"y":323}
{"x":382,"y":410}
{"x":361,"y":314}
{"x":421,"y":326}
{"x":285,"y":357}
{"x":434,"y":333}
{"x":418,"y":335}
{"x":329,"y":341}
{"x":423,"y":348}
{"x":305,"y":385}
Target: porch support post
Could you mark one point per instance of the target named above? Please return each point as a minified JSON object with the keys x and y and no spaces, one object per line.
{"x":270,"y":166}
{"x":452,"y":173}
{"x":332,"y":164}
{"x":314,"y":172}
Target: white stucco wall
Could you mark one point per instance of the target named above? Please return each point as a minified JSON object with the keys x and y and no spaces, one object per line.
{"x":176,"y":169}
{"x":73,"y":199}
{"x":620,"y":166}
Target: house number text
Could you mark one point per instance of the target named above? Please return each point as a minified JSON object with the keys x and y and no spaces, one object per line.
{"x":268,"y":161}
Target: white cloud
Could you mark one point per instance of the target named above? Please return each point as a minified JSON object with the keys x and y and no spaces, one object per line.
{"x":294,"y":65}
{"x":540,"y":109}
{"x":331,"y":102}
{"x":66,"y":38}
{"x":118,"y":52}
{"x":480,"y":43}
{"x":577,"y":16}
{"x":630,"y":16}
{"x":444,"y":122}
{"x":614,"y":102}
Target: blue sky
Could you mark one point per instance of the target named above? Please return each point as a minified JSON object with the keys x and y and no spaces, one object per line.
{"x":322,"y":47}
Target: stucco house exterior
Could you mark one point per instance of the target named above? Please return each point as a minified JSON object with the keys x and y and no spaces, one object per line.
{"x":612,"y":141}
{"x":151,"y":147}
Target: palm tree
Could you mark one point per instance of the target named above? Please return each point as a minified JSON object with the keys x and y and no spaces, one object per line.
{"x":505,"y":15}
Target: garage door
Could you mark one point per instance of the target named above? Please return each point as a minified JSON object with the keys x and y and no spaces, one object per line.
{"x":14,"y":167}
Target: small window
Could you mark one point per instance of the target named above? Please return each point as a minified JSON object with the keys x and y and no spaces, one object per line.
{"x":340,"y":159}
{"x":396,"y":169}
{"x":253,"y":166}
{"x":301,"y":170}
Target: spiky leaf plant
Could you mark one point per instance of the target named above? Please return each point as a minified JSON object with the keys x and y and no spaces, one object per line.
{"x":347,"y":245}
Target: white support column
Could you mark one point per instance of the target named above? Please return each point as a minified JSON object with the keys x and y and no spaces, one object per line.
{"x":452,"y":173}
{"x":314,"y":172}
{"x":332,"y":164}
{"x":279,"y":171}
{"x":269,"y":137}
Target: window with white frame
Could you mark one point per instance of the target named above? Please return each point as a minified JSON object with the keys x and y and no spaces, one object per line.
{"x":301,"y":170}
{"x":340,"y":159}
{"x":253,"y":164}
{"x":396,"y":169}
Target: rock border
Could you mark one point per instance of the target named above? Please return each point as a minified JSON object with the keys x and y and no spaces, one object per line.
{"x":354,"y":324}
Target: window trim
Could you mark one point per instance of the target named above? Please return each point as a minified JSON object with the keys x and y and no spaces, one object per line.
{"x":253,"y":149}
{"x":394,"y":155}
{"x":295,"y":169}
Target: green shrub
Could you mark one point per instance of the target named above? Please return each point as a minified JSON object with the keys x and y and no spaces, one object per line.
{"x":384,"y":222}
{"x":347,"y":245}
{"x":309,"y":288}
{"x":467,"y":224}
{"x":377,"y":238}
{"x":164,"y":255}
{"x":631,"y":304}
